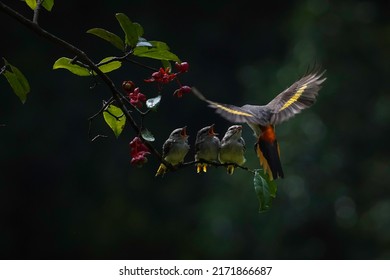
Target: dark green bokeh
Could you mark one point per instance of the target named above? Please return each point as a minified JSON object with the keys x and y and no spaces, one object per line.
{"x":64,"y":197}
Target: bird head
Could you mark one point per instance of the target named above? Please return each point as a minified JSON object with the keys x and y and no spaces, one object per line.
{"x":234,"y":132}
{"x":179,"y":134}
{"x":211,"y":131}
{"x":207,"y":131}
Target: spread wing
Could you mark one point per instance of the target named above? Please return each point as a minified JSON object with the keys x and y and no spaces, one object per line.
{"x":302,"y":94}
{"x":232,"y":113}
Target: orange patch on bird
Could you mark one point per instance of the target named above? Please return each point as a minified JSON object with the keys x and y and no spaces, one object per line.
{"x":264,"y":162}
{"x":268,"y":133}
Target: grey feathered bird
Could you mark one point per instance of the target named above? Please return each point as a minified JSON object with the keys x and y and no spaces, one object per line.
{"x":232,"y":148}
{"x":175,"y":149}
{"x":263,"y":118}
{"x":206,"y":147}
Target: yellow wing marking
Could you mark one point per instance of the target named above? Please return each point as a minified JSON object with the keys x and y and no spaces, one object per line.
{"x":294,"y":98}
{"x":231,"y":111}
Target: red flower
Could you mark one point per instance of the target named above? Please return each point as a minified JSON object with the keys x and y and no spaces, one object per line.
{"x":138,"y":152}
{"x":139,"y":160}
{"x":137,"y":98}
{"x":128,"y":86}
{"x":163,"y":76}
{"x":182,"y":90}
{"x":182,"y":67}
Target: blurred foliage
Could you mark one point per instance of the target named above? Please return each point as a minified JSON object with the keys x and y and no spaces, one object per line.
{"x":64,"y":197}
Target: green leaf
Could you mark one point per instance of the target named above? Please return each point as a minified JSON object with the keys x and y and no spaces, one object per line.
{"x":17,"y":81}
{"x":48,"y":4}
{"x":139,"y":29}
{"x":131,"y":30}
{"x":147,"y":135}
{"x":110,"y":66}
{"x":108,"y":36}
{"x":273,"y":188}
{"x":31,"y":3}
{"x":65,"y":63}
{"x":265,"y":190}
{"x":166,"y":64}
{"x":152,"y":103}
{"x":115,"y":119}
{"x":160,"y":54}
{"x":159,"y":45}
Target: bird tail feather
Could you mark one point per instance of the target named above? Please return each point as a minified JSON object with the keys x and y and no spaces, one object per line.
{"x":269,"y":156}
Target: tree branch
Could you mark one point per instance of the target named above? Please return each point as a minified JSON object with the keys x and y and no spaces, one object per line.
{"x":85,"y":59}
{"x":216,"y":164}
{"x":82,"y":58}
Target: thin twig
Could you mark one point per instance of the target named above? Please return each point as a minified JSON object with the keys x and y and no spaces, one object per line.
{"x":77,"y":62}
{"x":142,"y":65}
{"x":116,"y":58}
{"x":2,"y":70}
{"x":90,"y":119}
{"x":98,"y":136}
{"x":36,"y":11}
{"x":104,"y":107}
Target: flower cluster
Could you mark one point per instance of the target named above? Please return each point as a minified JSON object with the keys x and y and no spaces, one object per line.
{"x":138,"y":152}
{"x":165,"y":76}
{"x":135,"y":96}
{"x":162,"y":76}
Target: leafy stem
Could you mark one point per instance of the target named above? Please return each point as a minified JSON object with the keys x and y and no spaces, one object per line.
{"x":83,"y":57}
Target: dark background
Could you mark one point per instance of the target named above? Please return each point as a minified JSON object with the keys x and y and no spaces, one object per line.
{"x":63,"y":197}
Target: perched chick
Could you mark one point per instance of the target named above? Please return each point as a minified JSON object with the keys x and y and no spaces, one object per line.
{"x":232,"y":148}
{"x":206,"y":147}
{"x":175,"y":149}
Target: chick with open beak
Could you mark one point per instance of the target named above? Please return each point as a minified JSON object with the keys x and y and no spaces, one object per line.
{"x":175,"y":149}
{"x":207,"y":147}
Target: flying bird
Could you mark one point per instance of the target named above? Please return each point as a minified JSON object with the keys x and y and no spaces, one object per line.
{"x":263,"y":118}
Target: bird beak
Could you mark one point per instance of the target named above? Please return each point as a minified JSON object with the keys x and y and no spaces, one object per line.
{"x":184,"y":132}
{"x":211,"y":130}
